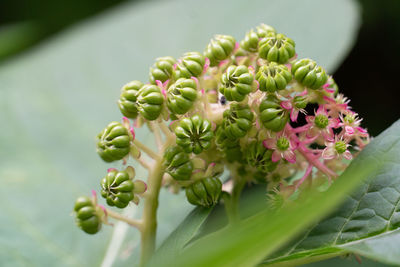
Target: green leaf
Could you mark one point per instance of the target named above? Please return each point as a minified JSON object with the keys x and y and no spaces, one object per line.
{"x":248,"y":242}
{"x":367,"y":218}
{"x":180,"y":237}
{"x":55,"y":98}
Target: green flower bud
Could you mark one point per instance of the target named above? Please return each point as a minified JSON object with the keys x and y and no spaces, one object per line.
{"x":309,"y":74}
{"x":178,"y":163}
{"x":272,"y":115}
{"x":300,"y":102}
{"x":230,"y":146}
{"x":191,"y":65}
{"x":236,"y":83}
{"x":181,"y":95}
{"x":162,"y":69}
{"x":263,"y":30}
{"x":194,"y":134}
{"x":113,"y":143}
{"x":276,"y":48}
{"x":150,"y":101}
{"x":220,"y":48}
{"x":117,"y":188}
{"x":258,"y":156}
{"x":273,"y":77}
{"x":204,"y":192}
{"x":87,"y":215}
{"x":127,"y":101}
{"x":250,"y":41}
{"x":238,"y":120}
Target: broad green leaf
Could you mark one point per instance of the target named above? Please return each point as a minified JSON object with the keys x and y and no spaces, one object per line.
{"x":55,"y":98}
{"x":179,"y":238}
{"x":247,"y":243}
{"x":365,"y":223}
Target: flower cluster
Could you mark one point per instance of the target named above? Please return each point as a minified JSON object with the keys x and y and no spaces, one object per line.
{"x":250,"y":107}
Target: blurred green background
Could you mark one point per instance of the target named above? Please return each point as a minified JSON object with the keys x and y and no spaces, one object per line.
{"x":369,"y":73}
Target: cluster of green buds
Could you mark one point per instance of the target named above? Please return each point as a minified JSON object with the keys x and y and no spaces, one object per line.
{"x":244,"y":107}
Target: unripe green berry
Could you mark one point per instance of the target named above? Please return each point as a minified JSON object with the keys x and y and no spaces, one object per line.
{"x":307,"y":73}
{"x":194,"y":134}
{"x":178,"y":163}
{"x":181,"y":95}
{"x":263,"y":30}
{"x":113,"y":143}
{"x":272,"y":115}
{"x":258,"y":156}
{"x":250,"y":41}
{"x":87,"y":217}
{"x":220,"y":48}
{"x":252,"y":38}
{"x":191,"y":65}
{"x":273,"y":77}
{"x":237,"y":120}
{"x":117,"y":188}
{"x":150,"y":101}
{"x":236,"y":83}
{"x":276,"y":48}
{"x":162,"y":70}
{"x":204,"y":192}
{"x":127,"y":101}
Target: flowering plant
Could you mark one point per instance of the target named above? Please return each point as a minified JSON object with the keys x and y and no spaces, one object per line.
{"x":252,"y":108}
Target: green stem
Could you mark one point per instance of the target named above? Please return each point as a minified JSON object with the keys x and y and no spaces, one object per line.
{"x":122,"y":218}
{"x":149,"y":218}
{"x":232,"y":203}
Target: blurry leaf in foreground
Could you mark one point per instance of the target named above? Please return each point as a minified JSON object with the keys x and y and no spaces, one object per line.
{"x":55,"y":98}
{"x":249,"y":242}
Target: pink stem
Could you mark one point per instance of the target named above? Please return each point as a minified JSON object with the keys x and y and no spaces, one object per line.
{"x":306,"y":174}
{"x":315,"y":161}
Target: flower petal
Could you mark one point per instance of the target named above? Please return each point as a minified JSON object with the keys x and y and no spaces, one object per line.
{"x":269,"y":143}
{"x":329,"y":153}
{"x":347,"y":155}
{"x":289,"y":156}
{"x":276,"y":156}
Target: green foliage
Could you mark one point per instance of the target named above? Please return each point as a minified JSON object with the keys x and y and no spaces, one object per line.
{"x":368,"y":217}
{"x":50,"y":131}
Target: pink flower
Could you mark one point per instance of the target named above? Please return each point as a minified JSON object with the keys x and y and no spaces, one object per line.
{"x":336,"y":105}
{"x":321,"y":124}
{"x":295,"y":104}
{"x":336,"y":149}
{"x":351,"y":125}
{"x":283,"y":147}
